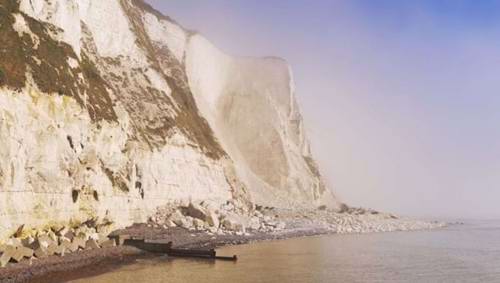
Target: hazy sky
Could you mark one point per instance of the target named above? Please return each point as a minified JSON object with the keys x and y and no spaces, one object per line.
{"x":401,"y":98}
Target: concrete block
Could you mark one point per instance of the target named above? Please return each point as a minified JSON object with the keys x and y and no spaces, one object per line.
{"x":70,"y":235}
{"x":67,"y":245}
{"x":52,"y":236}
{"x":51,"y":249}
{"x":91,"y":245}
{"x":26,"y":252}
{"x":73,"y":247}
{"x":60,"y":250}
{"x":41,"y":252}
{"x":15,"y":242}
{"x":4,"y":259}
{"x":17,"y":256}
{"x":28,"y":242}
{"x":7,"y":255}
{"x":80,"y":241}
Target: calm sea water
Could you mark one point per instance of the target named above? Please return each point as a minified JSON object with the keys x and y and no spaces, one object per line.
{"x":462,"y":253}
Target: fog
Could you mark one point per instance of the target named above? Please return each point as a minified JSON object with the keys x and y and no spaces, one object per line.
{"x":400,"y":99}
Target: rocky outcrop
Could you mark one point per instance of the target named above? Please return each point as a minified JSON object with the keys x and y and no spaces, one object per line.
{"x":110,"y":110}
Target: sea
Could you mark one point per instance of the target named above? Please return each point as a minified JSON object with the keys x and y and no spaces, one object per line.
{"x":468,"y":252}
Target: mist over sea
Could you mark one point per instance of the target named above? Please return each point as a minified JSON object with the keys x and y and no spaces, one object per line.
{"x":459,"y":253}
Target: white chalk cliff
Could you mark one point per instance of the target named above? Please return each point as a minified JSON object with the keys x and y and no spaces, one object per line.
{"x":110,"y":109}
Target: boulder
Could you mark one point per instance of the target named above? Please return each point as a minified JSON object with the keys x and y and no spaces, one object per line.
{"x":189,"y":222}
{"x":196,"y":211}
{"x":210,"y":206}
{"x":198,"y":224}
{"x":176,"y":218}
{"x":254,"y":223}
{"x":233,"y":224}
{"x":212,"y":219}
{"x":180,"y":220}
{"x":203,"y":213}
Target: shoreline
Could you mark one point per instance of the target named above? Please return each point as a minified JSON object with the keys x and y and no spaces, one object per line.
{"x":89,"y":263}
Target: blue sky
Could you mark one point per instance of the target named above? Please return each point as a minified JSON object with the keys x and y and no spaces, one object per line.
{"x":401,"y":98}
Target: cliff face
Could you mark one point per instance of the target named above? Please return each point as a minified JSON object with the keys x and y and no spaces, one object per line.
{"x":109,"y":109}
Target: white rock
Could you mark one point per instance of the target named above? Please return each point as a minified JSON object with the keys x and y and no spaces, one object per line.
{"x":280,"y":226}
{"x":255,"y":223}
{"x":233,"y":224}
{"x":50,"y":144}
{"x":213,"y":220}
{"x":198,"y":224}
{"x":196,"y":211}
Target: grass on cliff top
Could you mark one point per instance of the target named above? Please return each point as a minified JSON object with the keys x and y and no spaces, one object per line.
{"x":48,"y":65}
{"x":188,"y":119}
{"x":47,"y":60}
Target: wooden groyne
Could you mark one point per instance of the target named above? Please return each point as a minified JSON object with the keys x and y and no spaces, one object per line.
{"x":166,"y":248}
